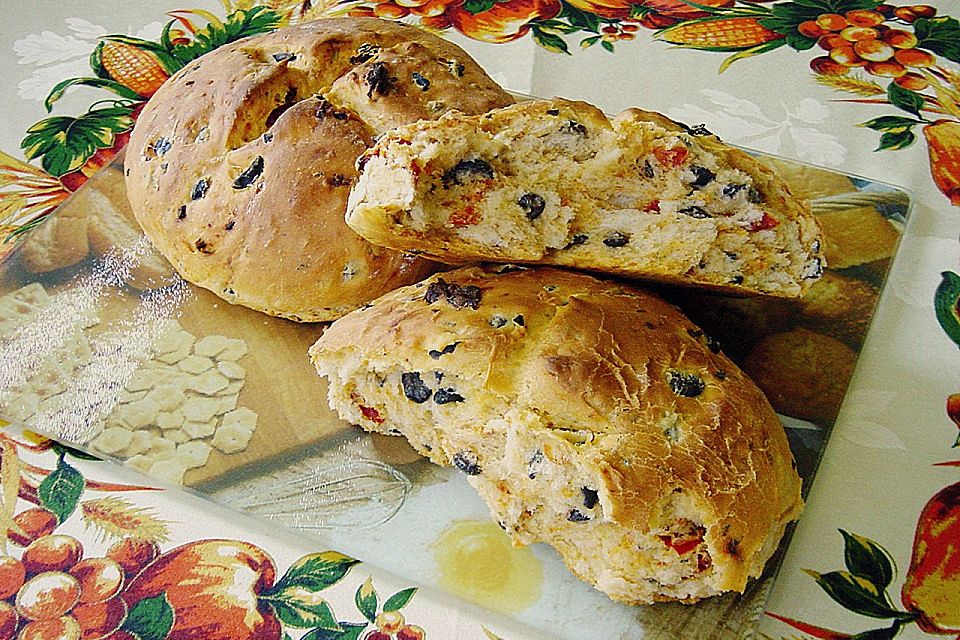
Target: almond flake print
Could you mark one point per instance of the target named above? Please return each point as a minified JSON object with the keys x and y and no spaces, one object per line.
{"x":792,"y":132}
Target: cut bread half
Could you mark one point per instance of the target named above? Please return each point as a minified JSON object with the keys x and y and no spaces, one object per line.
{"x":557,"y":182}
{"x":589,"y":415}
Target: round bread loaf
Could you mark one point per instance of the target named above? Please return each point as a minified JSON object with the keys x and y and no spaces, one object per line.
{"x":239,"y":167}
{"x":589,"y":415}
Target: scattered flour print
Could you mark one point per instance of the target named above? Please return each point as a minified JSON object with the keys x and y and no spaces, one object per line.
{"x":57,"y":56}
{"x":790,"y":132}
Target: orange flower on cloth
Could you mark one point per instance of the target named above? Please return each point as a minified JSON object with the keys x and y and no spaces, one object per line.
{"x":499,"y":22}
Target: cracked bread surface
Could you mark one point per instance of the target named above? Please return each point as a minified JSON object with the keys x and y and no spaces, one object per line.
{"x":239,"y":167}
{"x":589,"y":415}
{"x":557,"y":182}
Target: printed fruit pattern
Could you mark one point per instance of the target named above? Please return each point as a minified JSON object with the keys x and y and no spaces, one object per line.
{"x":953,"y":412}
{"x":859,"y":39}
{"x":48,"y":590}
{"x":51,"y":589}
{"x":943,"y":142}
{"x":212,"y":587}
{"x":932,"y":587}
{"x":930,"y":591}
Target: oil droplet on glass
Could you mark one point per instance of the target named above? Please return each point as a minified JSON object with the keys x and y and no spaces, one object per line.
{"x":477,"y":562}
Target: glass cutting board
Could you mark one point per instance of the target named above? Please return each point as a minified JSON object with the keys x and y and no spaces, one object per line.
{"x":101,"y":344}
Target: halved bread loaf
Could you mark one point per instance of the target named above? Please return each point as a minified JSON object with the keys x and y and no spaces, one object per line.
{"x":556,"y":182}
{"x":589,"y":415}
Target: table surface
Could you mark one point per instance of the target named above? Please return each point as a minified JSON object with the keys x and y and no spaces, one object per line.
{"x":889,"y":473}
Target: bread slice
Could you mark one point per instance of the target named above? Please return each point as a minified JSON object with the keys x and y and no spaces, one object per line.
{"x":589,"y":415}
{"x":556,"y":182}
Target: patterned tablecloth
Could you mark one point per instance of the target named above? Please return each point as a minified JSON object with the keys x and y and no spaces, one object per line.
{"x":867,"y":88}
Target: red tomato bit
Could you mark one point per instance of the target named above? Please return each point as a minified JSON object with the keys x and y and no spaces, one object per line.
{"x":673,"y":157}
{"x":766,"y":222}
{"x":465,"y":217}
{"x":371,"y":414}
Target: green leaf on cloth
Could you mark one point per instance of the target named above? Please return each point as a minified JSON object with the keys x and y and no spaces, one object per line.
{"x":885,"y":633}
{"x":945,"y":303}
{"x":556,"y":27}
{"x":300,"y":608}
{"x":905,"y":99}
{"x":549,"y":41}
{"x":867,"y":559}
{"x":66,"y":142}
{"x":798,"y":41}
{"x":366,"y":600}
{"x":399,"y":599}
{"x":893,"y":124}
{"x":294,"y":598}
{"x":589,"y":42}
{"x":940,"y":35}
{"x":836,"y":6}
{"x":578,"y":18}
{"x":315,"y":572}
{"x":239,"y":24}
{"x":111,"y":85}
{"x":855,"y":594}
{"x":60,"y":491}
{"x":478,"y":6}
{"x":150,"y":619}
{"x":63,"y":449}
{"x":893,"y":141}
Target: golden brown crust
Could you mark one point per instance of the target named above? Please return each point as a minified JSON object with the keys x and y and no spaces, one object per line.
{"x":239,"y":171}
{"x":663,"y":412}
